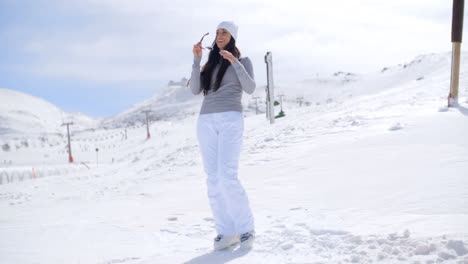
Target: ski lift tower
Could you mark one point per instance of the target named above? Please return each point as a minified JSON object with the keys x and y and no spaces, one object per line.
{"x":147,"y":123}
{"x":256,"y":104}
{"x":281,"y":95}
{"x":70,"y":158}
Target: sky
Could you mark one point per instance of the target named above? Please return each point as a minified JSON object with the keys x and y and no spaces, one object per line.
{"x":100,"y":57}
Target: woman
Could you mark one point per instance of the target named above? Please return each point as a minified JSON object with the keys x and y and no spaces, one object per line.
{"x":220,"y":128}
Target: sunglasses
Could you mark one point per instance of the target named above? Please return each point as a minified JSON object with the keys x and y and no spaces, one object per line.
{"x":208,"y":48}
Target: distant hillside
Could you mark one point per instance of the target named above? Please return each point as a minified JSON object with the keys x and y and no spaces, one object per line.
{"x":172,"y":102}
{"x":21,"y":113}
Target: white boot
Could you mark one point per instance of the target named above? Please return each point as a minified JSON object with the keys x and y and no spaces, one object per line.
{"x":247,"y":240}
{"x":222,"y":242}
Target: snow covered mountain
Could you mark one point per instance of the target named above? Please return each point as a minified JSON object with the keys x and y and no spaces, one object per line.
{"x":369,"y":169}
{"x":21,"y":113}
{"x":341,"y":86}
{"x":27,"y":121}
{"x":173,"y":102}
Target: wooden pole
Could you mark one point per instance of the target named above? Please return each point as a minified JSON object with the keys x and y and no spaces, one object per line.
{"x":457,"y":30}
{"x":270,"y":88}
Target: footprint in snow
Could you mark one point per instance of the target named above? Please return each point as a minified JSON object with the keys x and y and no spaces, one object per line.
{"x":168,"y":231}
{"x":396,"y":126}
{"x":295,"y":208}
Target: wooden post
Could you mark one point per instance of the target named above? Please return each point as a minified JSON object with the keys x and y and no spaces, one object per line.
{"x":147,"y":123}
{"x":457,"y":30}
{"x":270,"y":88}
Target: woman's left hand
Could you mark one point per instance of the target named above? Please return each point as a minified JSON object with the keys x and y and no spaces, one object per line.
{"x":227,"y":55}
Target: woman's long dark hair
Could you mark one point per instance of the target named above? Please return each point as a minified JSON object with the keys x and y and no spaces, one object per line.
{"x":213,"y":60}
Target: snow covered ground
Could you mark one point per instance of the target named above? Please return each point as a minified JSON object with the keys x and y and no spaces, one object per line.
{"x":373,"y":170}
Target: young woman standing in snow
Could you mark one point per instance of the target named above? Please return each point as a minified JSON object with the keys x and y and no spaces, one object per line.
{"x":220,"y":129}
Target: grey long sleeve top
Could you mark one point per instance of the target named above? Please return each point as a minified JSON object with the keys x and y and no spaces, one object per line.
{"x":238,"y":77}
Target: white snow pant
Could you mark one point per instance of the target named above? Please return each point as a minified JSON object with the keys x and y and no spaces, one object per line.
{"x":220,"y":139}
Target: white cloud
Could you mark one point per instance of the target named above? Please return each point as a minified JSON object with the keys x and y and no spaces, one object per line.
{"x":111,"y":40}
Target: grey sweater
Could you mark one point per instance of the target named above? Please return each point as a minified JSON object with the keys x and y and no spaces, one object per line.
{"x":237,"y":78}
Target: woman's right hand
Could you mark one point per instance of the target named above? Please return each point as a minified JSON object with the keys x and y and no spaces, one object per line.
{"x":197,"y":49}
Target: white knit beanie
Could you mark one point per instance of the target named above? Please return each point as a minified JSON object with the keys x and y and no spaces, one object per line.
{"x":229,"y":26}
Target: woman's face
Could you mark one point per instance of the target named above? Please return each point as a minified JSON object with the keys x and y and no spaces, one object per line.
{"x":222,"y":38}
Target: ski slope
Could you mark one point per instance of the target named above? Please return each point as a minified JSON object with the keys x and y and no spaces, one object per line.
{"x":372,"y":170}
